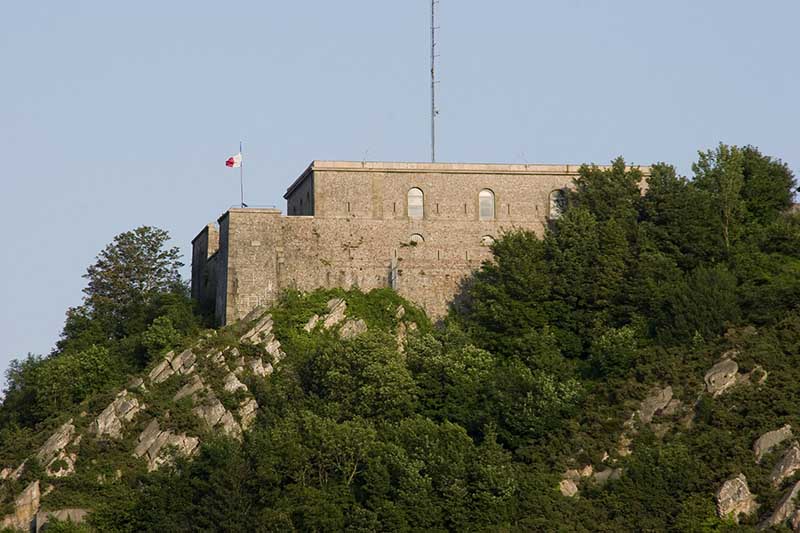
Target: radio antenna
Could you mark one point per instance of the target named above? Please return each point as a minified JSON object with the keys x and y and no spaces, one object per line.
{"x":434,"y":109}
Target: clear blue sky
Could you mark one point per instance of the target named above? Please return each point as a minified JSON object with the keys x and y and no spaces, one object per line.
{"x":118,"y":114}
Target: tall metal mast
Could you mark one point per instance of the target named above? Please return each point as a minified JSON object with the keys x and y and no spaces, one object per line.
{"x":434,"y":110}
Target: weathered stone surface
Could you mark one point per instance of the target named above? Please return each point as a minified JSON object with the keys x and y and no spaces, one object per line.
{"x":5,"y":472}
{"x":136,"y":384}
{"x":785,"y":509}
{"x":211,"y":411}
{"x":230,"y":426}
{"x":62,"y":465}
{"x":111,"y":421}
{"x":401,"y":312}
{"x":259,"y":331}
{"x":312,"y":323}
{"x":153,"y":441}
{"x":232,"y":383}
{"x":787,"y":466}
{"x":672,"y":408}
{"x":191,"y":388}
{"x":74,"y":515}
{"x":757,"y":375}
{"x":56,"y":443}
{"x":183,"y":363}
{"x":734,"y":499}
{"x":568,"y":488}
{"x":352,"y":328}
{"x":336,"y":310}
{"x":654,"y":403}
{"x":247,"y":412}
{"x":25,"y":507}
{"x":577,"y":474}
{"x":163,"y":370}
{"x":769,"y":440}
{"x":256,"y":366}
{"x":721,"y":377}
{"x":608,"y":474}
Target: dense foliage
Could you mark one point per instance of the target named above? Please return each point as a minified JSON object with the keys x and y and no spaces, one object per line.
{"x":471,"y":425}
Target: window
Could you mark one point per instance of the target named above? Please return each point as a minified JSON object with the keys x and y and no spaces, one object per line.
{"x":416,"y":238}
{"x":486,"y":201}
{"x":487,"y":240}
{"x":558,"y":203}
{"x":416,"y":208}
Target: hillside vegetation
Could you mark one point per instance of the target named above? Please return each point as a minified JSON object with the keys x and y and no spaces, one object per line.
{"x":634,"y":369}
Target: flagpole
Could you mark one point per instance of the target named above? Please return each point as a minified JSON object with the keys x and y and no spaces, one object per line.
{"x":241,"y":174}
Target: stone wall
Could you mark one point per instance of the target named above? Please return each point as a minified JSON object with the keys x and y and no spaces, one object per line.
{"x":360,"y":234}
{"x":204,"y":249}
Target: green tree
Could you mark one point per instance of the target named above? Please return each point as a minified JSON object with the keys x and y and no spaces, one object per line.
{"x":721,"y":172}
{"x":129,"y":273}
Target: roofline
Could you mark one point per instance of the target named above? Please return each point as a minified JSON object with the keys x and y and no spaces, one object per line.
{"x":441,"y":168}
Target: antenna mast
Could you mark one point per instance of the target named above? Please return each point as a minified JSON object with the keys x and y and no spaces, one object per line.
{"x":434,"y":110}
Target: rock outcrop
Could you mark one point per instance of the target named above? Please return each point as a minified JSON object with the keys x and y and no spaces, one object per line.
{"x":787,"y":466}
{"x":119,"y":412}
{"x":352,"y":328}
{"x":182,"y":363}
{"x":785,"y":509}
{"x":653,"y":404}
{"x":153,"y":442}
{"x":568,"y":488}
{"x":25,"y":507}
{"x":74,"y":515}
{"x":721,"y":377}
{"x":734,"y":499}
{"x":766,"y":442}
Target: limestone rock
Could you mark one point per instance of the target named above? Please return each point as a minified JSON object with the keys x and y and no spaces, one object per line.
{"x":721,"y":377}
{"x":62,"y":465}
{"x":608,"y":474}
{"x":787,"y":466}
{"x":25,"y":507}
{"x":153,"y":441}
{"x":247,"y":412}
{"x":769,"y":440}
{"x":256,"y":366}
{"x":568,"y":488}
{"x":230,"y":426}
{"x":162,"y":371}
{"x":672,"y":408}
{"x":785,"y":509}
{"x":795,"y":520}
{"x":4,"y":473}
{"x":210,"y":411}
{"x":336,"y":310}
{"x":401,"y":312}
{"x":232,"y":383}
{"x":352,"y":328}
{"x":259,"y":331}
{"x":734,"y":498}
{"x":74,"y":515}
{"x":312,"y":323}
{"x":123,"y":409}
{"x":136,"y":384}
{"x":194,"y":386}
{"x":183,"y":363}
{"x":654,"y":403}
{"x":56,"y":443}
{"x":577,"y":474}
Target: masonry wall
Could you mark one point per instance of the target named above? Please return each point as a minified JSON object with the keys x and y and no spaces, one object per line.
{"x":204,"y":268}
{"x":360,"y":234}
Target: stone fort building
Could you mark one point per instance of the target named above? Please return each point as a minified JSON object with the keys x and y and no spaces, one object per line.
{"x":419,"y":228}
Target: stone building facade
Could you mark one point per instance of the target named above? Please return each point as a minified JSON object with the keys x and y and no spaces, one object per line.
{"x":417,"y":227}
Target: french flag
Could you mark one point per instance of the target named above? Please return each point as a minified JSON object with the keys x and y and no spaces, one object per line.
{"x":234,"y":161}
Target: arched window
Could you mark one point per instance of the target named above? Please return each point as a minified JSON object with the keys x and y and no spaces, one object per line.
{"x":487,"y":240}
{"x":416,"y":209}
{"x":486,"y":204}
{"x":558,"y":203}
{"x":416,"y":239}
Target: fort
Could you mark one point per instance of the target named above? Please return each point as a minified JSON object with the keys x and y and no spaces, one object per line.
{"x":419,"y":228}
